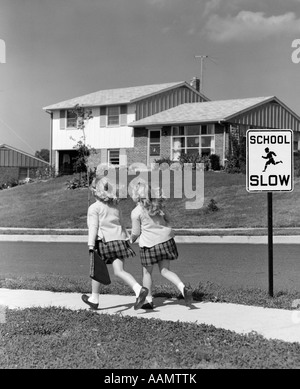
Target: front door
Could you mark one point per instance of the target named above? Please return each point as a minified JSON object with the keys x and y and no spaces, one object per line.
{"x":154,"y":146}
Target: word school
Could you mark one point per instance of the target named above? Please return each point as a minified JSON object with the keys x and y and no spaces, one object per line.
{"x":269,"y":139}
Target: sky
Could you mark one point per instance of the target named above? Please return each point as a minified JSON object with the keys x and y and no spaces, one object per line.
{"x":60,"y":49}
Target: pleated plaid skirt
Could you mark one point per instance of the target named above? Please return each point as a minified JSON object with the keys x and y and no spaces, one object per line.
{"x":109,"y":251}
{"x":159,"y":252}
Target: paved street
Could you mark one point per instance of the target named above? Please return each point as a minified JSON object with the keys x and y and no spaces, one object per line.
{"x":230,"y":265}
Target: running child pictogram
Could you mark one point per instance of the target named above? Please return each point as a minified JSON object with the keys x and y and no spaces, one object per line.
{"x":270,"y":158}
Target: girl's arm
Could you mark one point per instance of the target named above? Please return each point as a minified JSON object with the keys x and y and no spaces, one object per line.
{"x":136,"y":227}
{"x":93,"y":226}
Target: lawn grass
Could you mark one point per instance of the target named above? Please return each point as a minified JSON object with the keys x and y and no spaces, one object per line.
{"x":206,"y":292}
{"x":56,"y":338}
{"x":50,"y":205}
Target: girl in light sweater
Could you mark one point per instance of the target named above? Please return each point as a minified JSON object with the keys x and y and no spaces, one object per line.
{"x":108,"y":236}
{"x":150,"y":223}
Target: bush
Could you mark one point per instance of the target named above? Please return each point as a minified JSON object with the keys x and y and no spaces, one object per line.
{"x":194,"y":159}
{"x":215,"y":162}
{"x":45,"y":173}
{"x":212,"y":206}
{"x":236,"y":157}
{"x":297,"y":163}
{"x":81,"y":180}
{"x":8,"y":182}
{"x":164,"y":160}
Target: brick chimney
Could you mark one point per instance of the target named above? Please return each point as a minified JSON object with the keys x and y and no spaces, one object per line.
{"x":195,"y":83}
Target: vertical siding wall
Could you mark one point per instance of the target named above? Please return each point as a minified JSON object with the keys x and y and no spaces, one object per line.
{"x":271,"y":115}
{"x":166,"y":100}
{"x":13,"y":158}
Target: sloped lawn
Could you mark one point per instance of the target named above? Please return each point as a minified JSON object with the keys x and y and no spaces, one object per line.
{"x":50,"y":205}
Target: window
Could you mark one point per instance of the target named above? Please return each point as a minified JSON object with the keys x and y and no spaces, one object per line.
{"x":193,"y":140}
{"x":114,"y":157}
{"x":71,"y":119}
{"x":113,"y":114}
{"x":154,"y":143}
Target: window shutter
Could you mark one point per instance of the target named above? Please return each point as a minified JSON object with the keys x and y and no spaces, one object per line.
{"x":102,"y":116}
{"x":62,"y":116}
{"x":123,"y":117}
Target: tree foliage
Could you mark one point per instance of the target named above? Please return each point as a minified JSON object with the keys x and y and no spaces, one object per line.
{"x":43,"y":154}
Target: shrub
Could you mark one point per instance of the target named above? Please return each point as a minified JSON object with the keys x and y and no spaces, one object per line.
{"x":297,"y":164}
{"x":215,"y":162}
{"x":81,"y":181}
{"x":8,"y":182}
{"x":236,"y":157}
{"x":212,"y":206}
{"x":164,"y":160}
{"x":194,"y":159}
{"x":45,"y":173}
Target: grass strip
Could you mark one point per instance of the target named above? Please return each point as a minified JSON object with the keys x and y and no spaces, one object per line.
{"x":56,"y":338}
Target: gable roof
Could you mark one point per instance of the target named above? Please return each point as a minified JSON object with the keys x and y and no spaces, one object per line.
{"x":4,"y":146}
{"x":211,"y":111}
{"x":119,"y":95}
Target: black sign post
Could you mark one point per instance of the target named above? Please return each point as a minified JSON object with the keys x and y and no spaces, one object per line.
{"x":270,"y":244}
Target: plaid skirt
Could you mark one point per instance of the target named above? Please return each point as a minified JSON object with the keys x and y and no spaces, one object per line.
{"x":159,"y":252}
{"x":109,"y":251}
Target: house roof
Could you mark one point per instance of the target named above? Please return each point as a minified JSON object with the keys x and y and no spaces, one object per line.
{"x":4,"y":146}
{"x":118,"y":96}
{"x":211,"y":111}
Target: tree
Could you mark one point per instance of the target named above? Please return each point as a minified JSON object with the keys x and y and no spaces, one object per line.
{"x":43,"y":154}
{"x":83,"y":150}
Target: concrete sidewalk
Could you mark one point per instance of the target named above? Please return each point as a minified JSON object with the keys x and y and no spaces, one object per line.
{"x":271,"y":323}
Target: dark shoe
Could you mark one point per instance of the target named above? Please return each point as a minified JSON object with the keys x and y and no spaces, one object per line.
{"x":148,"y":306}
{"x":141,"y":299}
{"x":188,"y":295}
{"x":85,"y":298}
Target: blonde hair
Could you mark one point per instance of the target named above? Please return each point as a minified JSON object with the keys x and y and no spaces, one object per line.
{"x":104,"y":191}
{"x":151,"y":200}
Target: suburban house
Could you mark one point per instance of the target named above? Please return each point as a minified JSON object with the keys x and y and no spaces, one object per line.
{"x":145,"y":123}
{"x":18,"y":165}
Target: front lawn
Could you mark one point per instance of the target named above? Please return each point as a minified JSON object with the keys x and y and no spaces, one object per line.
{"x":50,"y":205}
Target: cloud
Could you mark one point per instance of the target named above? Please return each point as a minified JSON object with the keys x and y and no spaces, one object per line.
{"x":248,"y":25}
{"x":211,"y":6}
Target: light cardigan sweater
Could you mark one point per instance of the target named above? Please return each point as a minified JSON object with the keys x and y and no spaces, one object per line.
{"x":152,"y":230}
{"x":104,"y":223}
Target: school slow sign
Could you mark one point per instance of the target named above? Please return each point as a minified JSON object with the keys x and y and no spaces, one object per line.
{"x":270,"y":161}
{"x":270,"y":169}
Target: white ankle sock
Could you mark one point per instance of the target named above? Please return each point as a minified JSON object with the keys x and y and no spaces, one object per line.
{"x":94,"y":298}
{"x":137,"y":288}
{"x":149,"y":299}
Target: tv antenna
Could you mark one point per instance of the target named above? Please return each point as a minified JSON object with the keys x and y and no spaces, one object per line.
{"x":203,"y":57}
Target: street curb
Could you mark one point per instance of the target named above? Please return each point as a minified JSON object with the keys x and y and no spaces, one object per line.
{"x":230,"y":239}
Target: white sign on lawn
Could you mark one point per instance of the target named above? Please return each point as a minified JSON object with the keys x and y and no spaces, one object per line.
{"x":270,"y":160}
